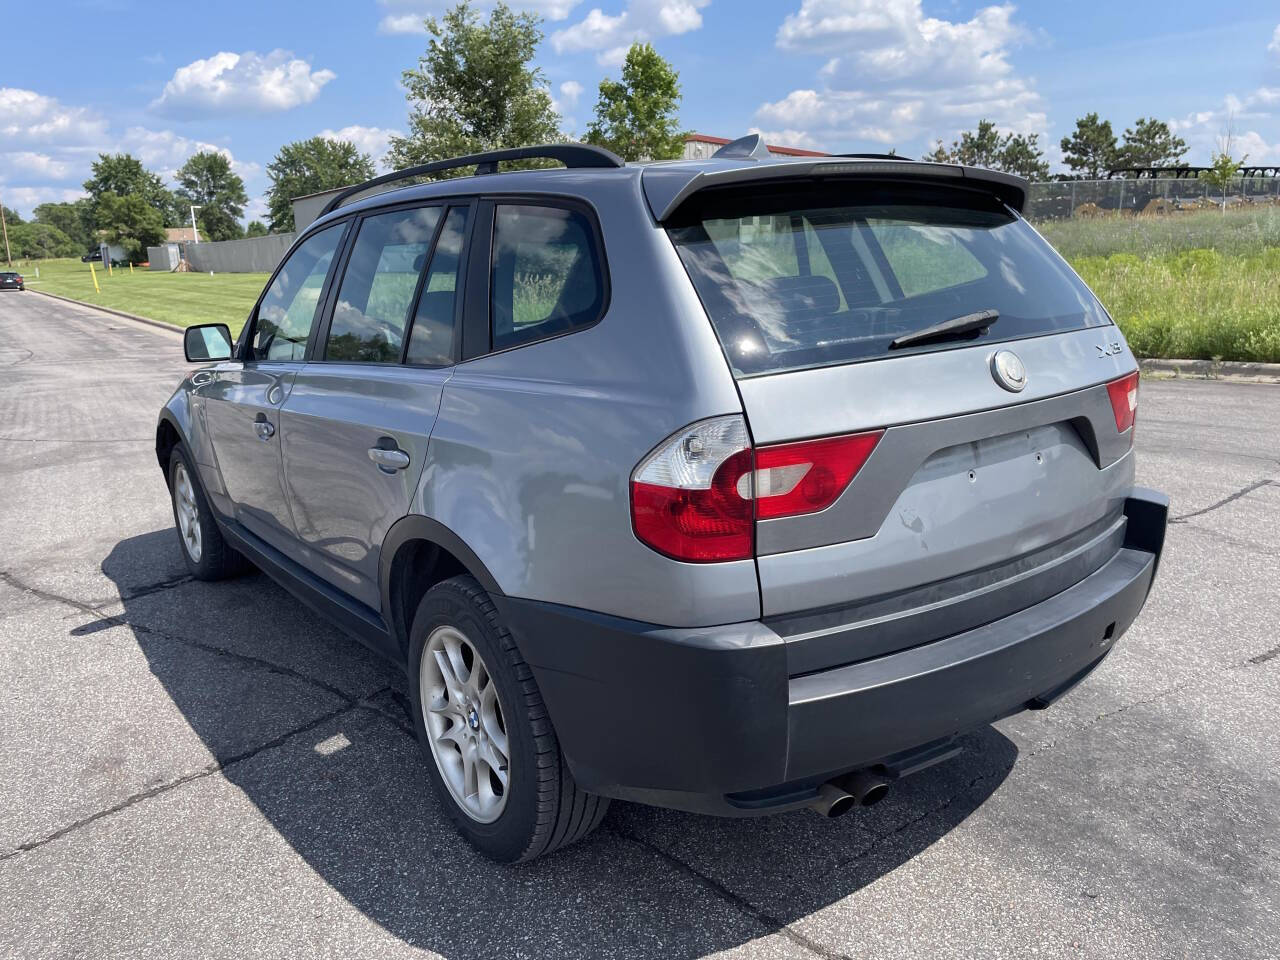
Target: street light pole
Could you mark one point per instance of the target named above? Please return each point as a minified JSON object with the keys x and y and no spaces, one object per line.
{"x":195,"y":234}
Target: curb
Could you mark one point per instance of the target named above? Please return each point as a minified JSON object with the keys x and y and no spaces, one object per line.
{"x":159,"y":324}
{"x":1227,"y":370}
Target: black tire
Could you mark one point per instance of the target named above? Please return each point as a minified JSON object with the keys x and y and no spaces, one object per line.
{"x":545,"y":809}
{"x":217,"y":559}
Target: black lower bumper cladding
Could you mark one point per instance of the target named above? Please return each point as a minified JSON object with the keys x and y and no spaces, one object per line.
{"x":692,"y":718}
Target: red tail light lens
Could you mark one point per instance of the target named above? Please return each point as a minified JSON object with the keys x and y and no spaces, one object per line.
{"x":805,"y":477}
{"x":696,"y":498}
{"x":1124,"y":400}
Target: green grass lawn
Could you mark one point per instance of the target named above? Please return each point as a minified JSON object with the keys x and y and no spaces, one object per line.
{"x":178,"y":298}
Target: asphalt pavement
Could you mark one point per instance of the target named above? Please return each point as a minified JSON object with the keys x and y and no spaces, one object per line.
{"x":209,"y":770}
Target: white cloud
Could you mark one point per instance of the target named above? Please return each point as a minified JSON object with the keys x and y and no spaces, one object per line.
{"x":1204,"y":129}
{"x":242,"y":81}
{"x":416,"y":11}
{"x":375,"y":141}
{"x":38,"y":164}
{"x":641,"y":21}
{"x":1274,"y":45}
{"x":570,"y":91}
{"x":165,"y":151}
{"x":786,"y":138}
{"x":27,"y":117}
{"x":896,"y":77}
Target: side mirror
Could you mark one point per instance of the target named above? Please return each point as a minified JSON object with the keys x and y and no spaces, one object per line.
{"x":206,"y":342}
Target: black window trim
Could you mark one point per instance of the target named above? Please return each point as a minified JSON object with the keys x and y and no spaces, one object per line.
{"x":478,"y":324}
{"x":251,"y":323}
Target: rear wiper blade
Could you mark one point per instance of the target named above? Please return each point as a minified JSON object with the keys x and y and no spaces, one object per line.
{"x":947,"y":329}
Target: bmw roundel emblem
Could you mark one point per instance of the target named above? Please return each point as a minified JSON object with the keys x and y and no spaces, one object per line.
{"x":1009,"y":371}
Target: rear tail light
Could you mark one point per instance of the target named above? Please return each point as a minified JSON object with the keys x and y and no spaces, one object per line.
{"x":1124,"y":400}
{"x":697,"y":496}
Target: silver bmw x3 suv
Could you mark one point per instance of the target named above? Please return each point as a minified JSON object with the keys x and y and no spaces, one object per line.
{"x":735,"y":485}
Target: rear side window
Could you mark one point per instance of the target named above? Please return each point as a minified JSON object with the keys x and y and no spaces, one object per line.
{"x":431,"y":339}
{"x":547,"y":273}
{"x":379,"y":284}
{"x":790,"y":284}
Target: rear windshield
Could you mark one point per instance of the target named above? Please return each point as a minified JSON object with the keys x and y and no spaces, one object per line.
{"x":791,"y":283}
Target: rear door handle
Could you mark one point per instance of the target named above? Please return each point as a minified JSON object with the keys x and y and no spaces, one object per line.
{"x":264,"y":427}
{"x":389,"y":459}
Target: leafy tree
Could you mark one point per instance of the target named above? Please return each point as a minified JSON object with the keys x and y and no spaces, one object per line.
{"x":310,"y":166}
{"x":1222,"y":171}
{"x":1091,"y":149}
{"x":207,"y":181}
{"x":256,"y":228}
{"x":75,"y":220}
{"x":124,"y":175}
{"x":38,"y":241}
{"x":985,"y":147}
{"x":1150,"y":143}
{"x":474,"y":88}
{"x":130,"y":222}
{"x":636,"y":117}
{"x":11,"y":216}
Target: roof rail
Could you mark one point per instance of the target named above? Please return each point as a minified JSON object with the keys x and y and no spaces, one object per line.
{"x":573,"y":155}
{"x":874,"y":156}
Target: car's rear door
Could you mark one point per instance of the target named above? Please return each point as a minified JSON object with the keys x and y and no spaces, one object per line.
{"x":974,"y":477}
{"x":360,"y":413}
{"x":241,"y":398}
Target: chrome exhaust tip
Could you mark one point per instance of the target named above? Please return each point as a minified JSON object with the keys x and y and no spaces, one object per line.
{"x":833,"y":802}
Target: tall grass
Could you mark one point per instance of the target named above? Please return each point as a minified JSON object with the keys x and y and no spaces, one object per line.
{"x":1234,"y":233}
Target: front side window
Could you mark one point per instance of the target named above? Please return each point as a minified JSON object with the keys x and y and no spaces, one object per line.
{"x":289,"y":305}
{"x":379,"y":284}
{"x":548,"y":275}
{"x":789,"y":283}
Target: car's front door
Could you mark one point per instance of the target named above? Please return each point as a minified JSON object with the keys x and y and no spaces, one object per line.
{"x":242,"y":400}
{"x":359,"y":416}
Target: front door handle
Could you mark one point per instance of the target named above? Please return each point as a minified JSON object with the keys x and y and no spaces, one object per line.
{"x":389,"y":458}
{"x":264,"y":427}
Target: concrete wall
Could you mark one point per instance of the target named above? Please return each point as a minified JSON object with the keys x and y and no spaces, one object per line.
{"x":306,"y":209}
{"x":252,"y":255}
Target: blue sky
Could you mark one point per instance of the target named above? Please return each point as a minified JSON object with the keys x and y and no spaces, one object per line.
{"x":88,"y":76}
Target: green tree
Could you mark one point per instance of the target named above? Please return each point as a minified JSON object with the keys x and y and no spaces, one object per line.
{"x":124,"y":175}
{"x":474,"y":88}
{"x":75,"y":220}
{"x":38,"y":241}
{"x":985,"y":147}
{"x":1091,"y":149}
{"x":310,"y":166}
{"x":1150,"y":143}
{"x":1222,"y":171}
{"x":130,"y":222}
{"x":207,"y":181}
{"x":256,"y":228}
{"x":636,"y":117}
{"x":11,"y":216}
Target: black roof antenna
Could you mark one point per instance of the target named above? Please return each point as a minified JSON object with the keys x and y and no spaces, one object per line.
{"x":750,"y":147}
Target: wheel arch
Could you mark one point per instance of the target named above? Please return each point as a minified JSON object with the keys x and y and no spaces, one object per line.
{"x":168,"y":435}
{"x":416,"y":554}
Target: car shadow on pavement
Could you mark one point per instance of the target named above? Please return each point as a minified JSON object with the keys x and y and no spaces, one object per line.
{"x":311,"y":728}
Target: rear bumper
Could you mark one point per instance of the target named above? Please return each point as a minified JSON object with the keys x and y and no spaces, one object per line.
{"x":710,"y":720}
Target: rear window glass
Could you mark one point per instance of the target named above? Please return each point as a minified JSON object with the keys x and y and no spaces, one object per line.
{"x":792,"y":284}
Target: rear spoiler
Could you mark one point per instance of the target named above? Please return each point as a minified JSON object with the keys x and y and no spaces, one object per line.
{"x":666,"y":188}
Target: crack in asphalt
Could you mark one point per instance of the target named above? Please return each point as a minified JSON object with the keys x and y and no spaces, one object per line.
{"x":217,"y":766}
{"x":768,"y":921}
{"x":1257,"y":484}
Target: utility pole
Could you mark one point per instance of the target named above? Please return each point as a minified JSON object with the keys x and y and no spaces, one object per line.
{"x":4,"y":227}
{"x":195,"y":234}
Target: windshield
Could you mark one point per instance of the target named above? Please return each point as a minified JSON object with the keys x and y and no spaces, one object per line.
{"x":788,"y":284}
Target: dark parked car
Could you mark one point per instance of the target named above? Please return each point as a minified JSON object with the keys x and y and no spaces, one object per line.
{"x":92,"y":255}
{"x":11,"y":281}
{"x":733,"y":485}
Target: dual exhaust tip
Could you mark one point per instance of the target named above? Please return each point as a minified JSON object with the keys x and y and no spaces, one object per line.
{"x":861,"y":788}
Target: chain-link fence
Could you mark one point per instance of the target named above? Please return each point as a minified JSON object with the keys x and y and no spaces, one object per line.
{"x":1062,"y":200}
